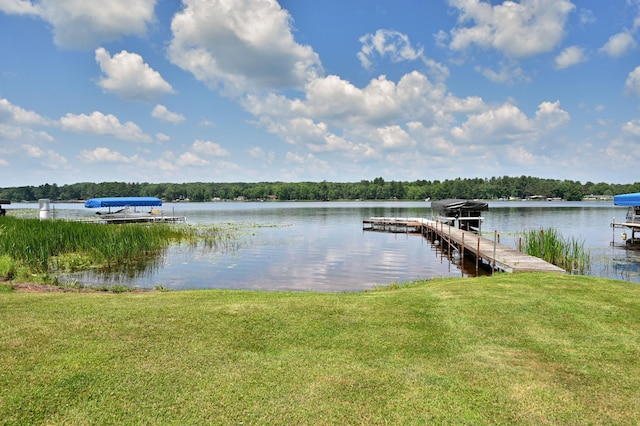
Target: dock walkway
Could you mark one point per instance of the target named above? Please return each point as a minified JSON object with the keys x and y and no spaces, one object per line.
{"x":632,"y":226}
{"x":499,"y":257}
{"x":136,"y":219}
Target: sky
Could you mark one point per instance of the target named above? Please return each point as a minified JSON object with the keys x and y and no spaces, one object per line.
{"x":309,"y":90}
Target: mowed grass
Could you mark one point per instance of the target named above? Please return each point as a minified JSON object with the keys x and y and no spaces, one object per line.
{"x":526,"y":349}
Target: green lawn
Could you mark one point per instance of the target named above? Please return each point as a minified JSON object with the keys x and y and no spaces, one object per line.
{"x":526,"y":349}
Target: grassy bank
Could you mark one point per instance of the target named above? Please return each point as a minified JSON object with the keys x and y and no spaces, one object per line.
{"x":527,"y":349}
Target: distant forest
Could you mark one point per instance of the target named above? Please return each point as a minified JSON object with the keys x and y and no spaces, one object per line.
{"x":378,"y":189}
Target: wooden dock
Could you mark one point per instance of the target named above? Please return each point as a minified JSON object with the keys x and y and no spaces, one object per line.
{"x":633,"y":227}
{"x":137,"y":219}
{"x":465,"y":243}
{"x":390,"y":224}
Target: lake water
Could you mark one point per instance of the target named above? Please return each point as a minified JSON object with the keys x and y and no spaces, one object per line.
{"x":321,"y":246}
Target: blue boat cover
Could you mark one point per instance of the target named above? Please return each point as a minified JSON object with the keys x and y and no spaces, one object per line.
{"x":627,"y":199}
{"x":123,"y":202}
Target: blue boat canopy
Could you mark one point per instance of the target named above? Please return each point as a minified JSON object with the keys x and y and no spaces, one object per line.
{"x":123,"y":202}
{"x":627,"y":199}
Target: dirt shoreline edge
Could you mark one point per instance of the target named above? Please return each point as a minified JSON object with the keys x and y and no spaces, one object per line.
{"x":46,"y":288}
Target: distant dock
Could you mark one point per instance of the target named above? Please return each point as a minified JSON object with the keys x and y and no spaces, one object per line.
{"x":127,"y":212}
{"x":632,"y":220}
{"x":633,"y":227}
{"x":137,"y":219}
{"x":464,"y":244}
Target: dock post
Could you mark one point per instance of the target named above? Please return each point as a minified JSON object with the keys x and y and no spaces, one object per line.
{"x":613,"y":231}
{"x":478,"y":256}
{"x":462,"y":253}
{"x":495,"y":236}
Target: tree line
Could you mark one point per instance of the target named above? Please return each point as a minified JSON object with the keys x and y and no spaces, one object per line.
{"x":377,"y":189}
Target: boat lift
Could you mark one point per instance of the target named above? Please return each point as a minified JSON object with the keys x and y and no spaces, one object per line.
{"x":5,"y":202}
{"x":632,"y":219}
{"x":128,"y":212}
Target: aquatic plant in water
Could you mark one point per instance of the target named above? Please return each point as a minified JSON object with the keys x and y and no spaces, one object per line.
{"x":549,"y":245}
{"x":29,"y":247}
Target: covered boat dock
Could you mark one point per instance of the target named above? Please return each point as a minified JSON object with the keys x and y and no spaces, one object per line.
{"x":632,"y":219}
{"x":130,"y":210}
{"x":459,"y":213}
{"x":5,"y":202}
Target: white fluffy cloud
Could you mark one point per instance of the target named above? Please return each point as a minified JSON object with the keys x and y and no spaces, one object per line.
{"x":16,"y":124}
{"x":80,"y":24}
{"x":50,"y":159}
{"x":161,"y":137}
{"x":33,"y":151}
{"x":508,"y":123}
{"x":209,"y":148}
{"x":619,"y":44}
{"x":18,"y":7}
{"x":129,"y":77}
{"x":394,"y":137}
{"x":257,"y":152}
{"x":248,"y":49}
{"x":632,"y":127}
{"x":247,"y":46}
{"x":550,"y":116}
{"x":139,"y":166}
{"x":107,"y":125}
{"x":387,"y":43}
{"x":518,"y":30}
{"x":200,"y":149}
{"x":166,"y":165}
{"x":13,"y":114}
{"x":626,"y":145}
{"x":508,"y":73}
{"x":191,"y":159}
{"x":103,"y":154}
{"x":397,"y":47}
{"x":569,"y":57}
{"x":504,"y":123}
{"x":161,"y":112}
{"x":364,"y":114}
{"x":632,"y":85}
{"x":299,"y":163}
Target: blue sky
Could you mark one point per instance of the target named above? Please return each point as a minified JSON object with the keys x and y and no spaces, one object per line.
{"x":260,"y":90}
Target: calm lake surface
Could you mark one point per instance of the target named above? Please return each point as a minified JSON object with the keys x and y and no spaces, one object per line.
{"x":321,"y":246}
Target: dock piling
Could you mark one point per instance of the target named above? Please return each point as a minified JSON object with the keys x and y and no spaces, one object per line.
{"x":495,"y":244}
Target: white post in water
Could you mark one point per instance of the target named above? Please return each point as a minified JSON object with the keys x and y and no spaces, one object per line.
{"x":44,"y":208}
{"x":495,"y":240}
{"x":613,"y":231}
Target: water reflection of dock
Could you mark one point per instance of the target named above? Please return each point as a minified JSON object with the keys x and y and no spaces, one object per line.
{"x":460,"y":243}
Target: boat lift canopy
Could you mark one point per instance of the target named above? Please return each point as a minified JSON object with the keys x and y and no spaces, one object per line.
{"x":123,"y":202}
{"x":452,"y":206}
{"x":627,"y":199}
{"x":465,"y":212}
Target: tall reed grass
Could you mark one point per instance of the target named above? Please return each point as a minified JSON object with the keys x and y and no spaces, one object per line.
{"x":40,"y":247}
{"x":550,"y":245}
